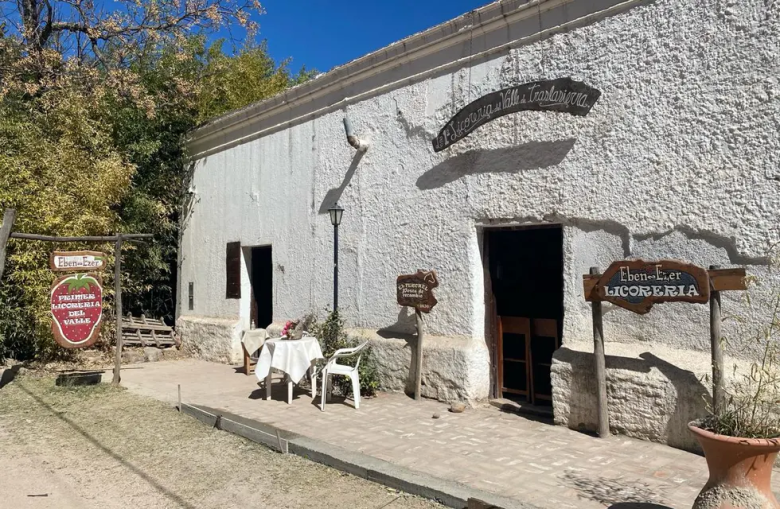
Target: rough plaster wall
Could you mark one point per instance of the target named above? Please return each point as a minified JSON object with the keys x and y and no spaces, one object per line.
{"x":678,"y":159}
{"x":453,"y":368}
{"x":212,"y":339}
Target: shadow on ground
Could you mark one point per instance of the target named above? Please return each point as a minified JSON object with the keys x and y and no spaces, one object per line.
{"x":154,"y":483}
{"x":640,"y":505}
{"x":617,"y":493}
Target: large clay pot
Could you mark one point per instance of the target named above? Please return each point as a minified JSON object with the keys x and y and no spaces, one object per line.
{"x":740,"y":471}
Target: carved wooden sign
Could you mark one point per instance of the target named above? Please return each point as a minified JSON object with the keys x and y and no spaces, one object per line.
{"x":637,"y":284}
{"x":416,"y":290}
{"x":76,"y":310}
{"x":563,"y":95}
{"x":77,"y":260}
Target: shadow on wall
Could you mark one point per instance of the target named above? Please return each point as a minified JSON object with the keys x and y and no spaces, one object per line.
{"x":333,"y":195}
{"x":528,"y":156}
{"x":405,"y":324}
{"x":635,"y":395}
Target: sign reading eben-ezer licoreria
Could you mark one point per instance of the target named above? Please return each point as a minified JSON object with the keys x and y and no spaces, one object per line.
{"x":416,"y":290}
{"x":76,"y":310}
{"x":563,"y":95}
{"x":77,"y":260}
{"x":637,"y":284}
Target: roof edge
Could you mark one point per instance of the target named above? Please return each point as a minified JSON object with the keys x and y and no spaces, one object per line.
{"x":438,"y":37}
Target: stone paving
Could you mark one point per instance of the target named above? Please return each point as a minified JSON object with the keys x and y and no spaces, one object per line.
{"x":530,"y":460}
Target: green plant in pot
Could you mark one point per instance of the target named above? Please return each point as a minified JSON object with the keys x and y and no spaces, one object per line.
{"x":741,"y":436}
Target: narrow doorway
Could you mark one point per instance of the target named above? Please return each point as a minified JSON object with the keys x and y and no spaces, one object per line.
{"x":526,"y":276}
{"x":262,"y":310}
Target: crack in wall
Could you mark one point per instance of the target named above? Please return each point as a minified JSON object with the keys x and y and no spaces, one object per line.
{"x":714,"y":239}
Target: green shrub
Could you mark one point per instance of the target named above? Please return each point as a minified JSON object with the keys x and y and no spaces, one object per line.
{"x":332,"y":336}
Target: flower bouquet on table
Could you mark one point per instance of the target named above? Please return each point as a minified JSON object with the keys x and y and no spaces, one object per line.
{"x":287,"y":330}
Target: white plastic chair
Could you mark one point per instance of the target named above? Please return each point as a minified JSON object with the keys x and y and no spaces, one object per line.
{"x":334,"y":368}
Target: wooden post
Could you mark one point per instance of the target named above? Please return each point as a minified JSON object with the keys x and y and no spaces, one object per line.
{"x":179,"y":386}
{"x":600,"y":364}
{"x":118,"y":307}
{"x":717,"y":351}
{"x":419,"y":355}
{"x":5,"y":231}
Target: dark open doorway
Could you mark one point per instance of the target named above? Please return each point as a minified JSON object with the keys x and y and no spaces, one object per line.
{"x":262,"y":312}
{"x":526,"y":277}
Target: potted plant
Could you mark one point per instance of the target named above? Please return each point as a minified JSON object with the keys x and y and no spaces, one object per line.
{"x":741,"y":436}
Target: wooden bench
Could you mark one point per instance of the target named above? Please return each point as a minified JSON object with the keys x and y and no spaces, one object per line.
{"x":147,"y":332}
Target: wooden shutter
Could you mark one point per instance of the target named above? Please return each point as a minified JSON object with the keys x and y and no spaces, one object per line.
{"x":233,"y":271}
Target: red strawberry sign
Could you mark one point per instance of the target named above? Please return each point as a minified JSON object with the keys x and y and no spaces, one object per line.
{"x":76,"y":309}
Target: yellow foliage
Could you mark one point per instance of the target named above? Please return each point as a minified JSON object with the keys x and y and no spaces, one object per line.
{"x":60,"y":171}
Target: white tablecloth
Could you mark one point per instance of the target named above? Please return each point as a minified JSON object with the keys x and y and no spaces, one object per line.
{"x":293,"y":357}
{"x":253,"y":340}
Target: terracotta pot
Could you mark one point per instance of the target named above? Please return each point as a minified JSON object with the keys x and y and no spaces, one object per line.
{"x":740,"y":471}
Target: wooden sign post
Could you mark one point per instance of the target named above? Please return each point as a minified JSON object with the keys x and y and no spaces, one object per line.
{"x":9,"y":216}
{"x":636,"y":285}
{"x":416,"y":290}
{"x":117,"y":240}
{"x":600,"y":363}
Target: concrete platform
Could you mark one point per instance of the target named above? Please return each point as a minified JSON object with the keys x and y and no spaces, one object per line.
{"x":528,"y":460}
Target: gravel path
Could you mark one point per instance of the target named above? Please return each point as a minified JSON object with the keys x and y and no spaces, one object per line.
{"x":103,"y":447}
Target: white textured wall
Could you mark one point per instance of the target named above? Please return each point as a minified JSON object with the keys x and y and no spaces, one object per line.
{"x":679,"y":158}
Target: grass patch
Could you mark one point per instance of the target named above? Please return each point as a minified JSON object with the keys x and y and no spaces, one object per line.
{"x":117,"y":446}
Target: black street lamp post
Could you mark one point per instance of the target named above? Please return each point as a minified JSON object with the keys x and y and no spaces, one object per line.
{"x":335,"y":218}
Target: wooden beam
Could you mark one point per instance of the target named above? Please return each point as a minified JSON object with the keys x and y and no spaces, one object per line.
{"x":727,"y":279}
{"x":718,"y":388}
{"x":588,"y":285}
{"x":118,"y":308}
{"x":108,"y":238}
{"x":600,"y":364}
{"x":419,"y":356}
{"x":5,"y":231}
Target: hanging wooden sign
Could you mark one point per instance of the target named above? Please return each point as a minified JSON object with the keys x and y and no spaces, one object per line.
{"x":76,"y":310}
{"x":416,"y":290}
{"x":563,"y":95}
{"x":77,"y":260}
{"x":637,"y":284}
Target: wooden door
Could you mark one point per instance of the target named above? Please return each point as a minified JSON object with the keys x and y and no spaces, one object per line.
{"x":514,"y":337}
{"x":525,"y":350}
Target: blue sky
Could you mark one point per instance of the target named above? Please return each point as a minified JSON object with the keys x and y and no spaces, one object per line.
{"x":322,"y":34}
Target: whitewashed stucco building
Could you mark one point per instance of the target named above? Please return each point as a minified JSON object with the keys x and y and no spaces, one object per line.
{"x":679,"y":158}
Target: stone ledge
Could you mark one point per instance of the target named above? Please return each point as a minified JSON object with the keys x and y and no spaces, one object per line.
{"x":652,"y":392}
{"x":454,"y":368}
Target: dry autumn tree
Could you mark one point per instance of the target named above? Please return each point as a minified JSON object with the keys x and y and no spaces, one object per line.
{"x":48,"y":44}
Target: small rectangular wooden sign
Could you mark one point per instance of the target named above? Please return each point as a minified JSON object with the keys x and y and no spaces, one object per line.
{"x":636,"y":284}
{"x":68,"y":261}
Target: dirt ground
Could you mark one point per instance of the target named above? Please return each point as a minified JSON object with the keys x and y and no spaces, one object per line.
{"x":103,"y":447}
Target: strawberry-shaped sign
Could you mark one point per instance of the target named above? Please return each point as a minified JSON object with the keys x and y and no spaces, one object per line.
{"x":76,"y":309}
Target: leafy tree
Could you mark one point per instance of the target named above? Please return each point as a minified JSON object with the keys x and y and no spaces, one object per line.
{"x":94,"y":106}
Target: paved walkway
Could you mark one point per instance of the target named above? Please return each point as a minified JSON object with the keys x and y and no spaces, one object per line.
{"x":535,"y":462}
